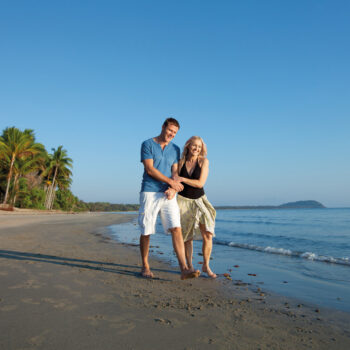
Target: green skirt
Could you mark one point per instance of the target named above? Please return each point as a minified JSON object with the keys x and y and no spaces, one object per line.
{"x":194,"y":212}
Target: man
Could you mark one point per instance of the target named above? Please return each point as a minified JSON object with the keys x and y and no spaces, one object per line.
{"x":160,"y":157}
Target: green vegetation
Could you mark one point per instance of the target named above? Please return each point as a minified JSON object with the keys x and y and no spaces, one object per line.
{"x":30,"y":177}
{"x":105,"y":206}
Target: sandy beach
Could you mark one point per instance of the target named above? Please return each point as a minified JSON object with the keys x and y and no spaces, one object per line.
{"x":65,"y":284}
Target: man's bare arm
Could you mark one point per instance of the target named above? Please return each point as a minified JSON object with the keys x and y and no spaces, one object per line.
{"x":170,"y":192}
{"x":156,"y":174}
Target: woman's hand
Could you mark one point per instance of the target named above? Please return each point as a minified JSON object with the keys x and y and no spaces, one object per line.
{"x":177,"y":178}
{"x":170,"y":193}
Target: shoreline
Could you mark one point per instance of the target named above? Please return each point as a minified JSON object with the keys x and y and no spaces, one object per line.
{"x":272,"y":280}
{"x":74,"y":279}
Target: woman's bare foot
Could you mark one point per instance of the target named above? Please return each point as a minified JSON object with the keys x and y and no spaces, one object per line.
{"x":186,"y":274}
{"x":210,"y":273}
{"x":146,"y":273}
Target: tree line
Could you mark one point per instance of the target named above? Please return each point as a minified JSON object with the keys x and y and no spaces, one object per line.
{"x":31,"y":177}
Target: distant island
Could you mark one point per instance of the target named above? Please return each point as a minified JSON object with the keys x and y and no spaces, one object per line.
{"x":309,"y":204}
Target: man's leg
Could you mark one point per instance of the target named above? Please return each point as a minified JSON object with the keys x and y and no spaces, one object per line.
{"x":144,"y":249}
{"x":148,"y":212}
{"x":179,"y":247}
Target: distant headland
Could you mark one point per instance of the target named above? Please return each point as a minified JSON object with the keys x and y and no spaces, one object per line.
{"x":308,"y":204}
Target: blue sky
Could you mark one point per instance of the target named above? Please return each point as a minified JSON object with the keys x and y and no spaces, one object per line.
{"x":265,"y":83}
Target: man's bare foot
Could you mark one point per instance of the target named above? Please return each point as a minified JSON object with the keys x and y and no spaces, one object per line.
{"x":190,"y":274}
{"x":146,"y":273}
{"x":191,"y":268}
{"x":209,"y":272}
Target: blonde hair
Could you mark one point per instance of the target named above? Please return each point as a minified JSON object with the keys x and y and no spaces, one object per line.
{"x":185,"y":151}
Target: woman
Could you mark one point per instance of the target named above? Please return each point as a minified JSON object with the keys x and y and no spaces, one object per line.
{"x":197,"y":214}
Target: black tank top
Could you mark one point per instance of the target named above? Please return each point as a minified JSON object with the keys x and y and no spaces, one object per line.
{"x":189,"y":191}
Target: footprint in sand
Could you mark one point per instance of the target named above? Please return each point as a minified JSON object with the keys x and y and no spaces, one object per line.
{"x":102,"y":298}
{"x":68,"y":290}
{"x":60,"y":303}
{"x":81,"y":283}
{"x":122,"y":325}
{"x":30,"y":301}
{"x":9,"y":308}
{"x":46,"y":274}
{"x":38,"y":339}
{"x":29,"y":284}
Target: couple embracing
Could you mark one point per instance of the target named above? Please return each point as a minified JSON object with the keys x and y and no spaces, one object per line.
{"x":187,"y":215}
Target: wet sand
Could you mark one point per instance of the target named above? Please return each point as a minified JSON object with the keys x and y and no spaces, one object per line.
{"x":64,"y":284}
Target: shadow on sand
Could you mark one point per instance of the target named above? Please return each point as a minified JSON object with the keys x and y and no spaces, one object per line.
{"x":80,"y":263}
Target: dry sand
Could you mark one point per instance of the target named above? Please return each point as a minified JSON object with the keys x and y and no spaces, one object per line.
{"x":64,"y":284}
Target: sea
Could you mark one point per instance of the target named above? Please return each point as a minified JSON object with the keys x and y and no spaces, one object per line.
{"x":299,"y":253}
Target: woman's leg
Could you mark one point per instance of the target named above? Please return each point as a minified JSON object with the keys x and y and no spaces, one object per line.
{"x":189,"y":253}
{"x":206,"y":250}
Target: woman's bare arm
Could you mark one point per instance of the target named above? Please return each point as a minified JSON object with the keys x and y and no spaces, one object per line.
{"x":202,"y":179}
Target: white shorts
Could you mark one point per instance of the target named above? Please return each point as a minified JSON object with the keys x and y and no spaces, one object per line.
{"x":151,"y":203}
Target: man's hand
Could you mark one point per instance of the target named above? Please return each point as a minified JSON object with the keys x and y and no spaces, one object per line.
{"x":176,"y":185}
{"x":170,"y":193}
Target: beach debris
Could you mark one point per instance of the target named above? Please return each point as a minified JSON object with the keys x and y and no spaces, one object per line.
{"x":236,"y":266}
{"x":317,"y":310}
{"x":240,"y":283}
{"x":163,"y":321}
{"x":299,"y":305}
{"x":251,"y":274}
{"x":227,"y":276}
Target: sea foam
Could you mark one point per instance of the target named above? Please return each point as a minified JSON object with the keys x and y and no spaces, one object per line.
{"x":287,"y":252}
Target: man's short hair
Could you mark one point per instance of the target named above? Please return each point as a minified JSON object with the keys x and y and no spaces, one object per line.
{"x":171,"y":121}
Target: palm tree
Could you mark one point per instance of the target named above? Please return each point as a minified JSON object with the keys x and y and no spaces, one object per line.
{"x":25,"y":166}
{"x":17,"y":145}
{"x":59,"y":170}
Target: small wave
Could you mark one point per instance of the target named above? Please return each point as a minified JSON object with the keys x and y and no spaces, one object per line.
{"x":257,"y":222}
{"x":281,"y":251}
{"x":270,"y":237}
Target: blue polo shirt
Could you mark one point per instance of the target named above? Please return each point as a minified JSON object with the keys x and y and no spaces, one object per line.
{"x":163,"y":160}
